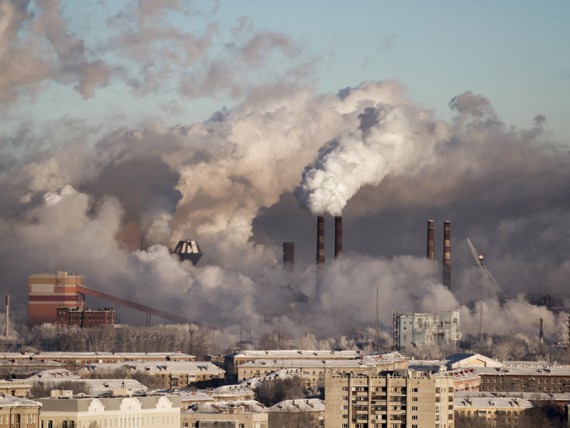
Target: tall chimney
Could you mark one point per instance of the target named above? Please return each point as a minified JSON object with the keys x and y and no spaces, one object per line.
{"x":337,"y":236}
{"x":430,"y":254}
{"x":288,"y":255}
{"x":320,"y":240}
{"x":541,"y":333}
{"x":320,"y":252}
{"x":7,"y":316}
{"x":447,"y":254}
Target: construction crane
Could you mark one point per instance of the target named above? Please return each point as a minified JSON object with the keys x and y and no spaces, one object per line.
{"x":488,"y":281}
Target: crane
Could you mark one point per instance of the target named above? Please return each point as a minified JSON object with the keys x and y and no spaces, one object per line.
{"x":488,"y":281}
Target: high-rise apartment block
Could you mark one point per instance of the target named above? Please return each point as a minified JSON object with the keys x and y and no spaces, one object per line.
{"x":48,"y":291}
{"x":403,"y":398}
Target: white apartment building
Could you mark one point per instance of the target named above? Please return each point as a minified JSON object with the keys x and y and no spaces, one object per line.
{"x":400,"y":399}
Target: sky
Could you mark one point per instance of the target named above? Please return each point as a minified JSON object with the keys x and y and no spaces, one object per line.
{"x":235,"y":123}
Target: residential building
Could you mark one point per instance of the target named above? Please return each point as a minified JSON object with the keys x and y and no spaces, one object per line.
{"x":304,"y":412}
{"x":402,"y":398}
{"x":425,"y":329}
{"x":124,"y":411}
{"x":313,"y":370}
{"x":491,"y":409}
{"x":235,"y":414}
{"x":170,"y":374}
{"x":19,"y":412}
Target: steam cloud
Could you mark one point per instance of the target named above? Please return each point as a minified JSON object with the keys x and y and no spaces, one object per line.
{"x":79,"y":198}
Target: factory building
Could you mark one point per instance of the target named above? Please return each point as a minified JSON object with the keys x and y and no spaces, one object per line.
{"x":425,"y":329}
{"x":403,"y":398}
{"x":48,"y":291}
{"x":85,"y":317}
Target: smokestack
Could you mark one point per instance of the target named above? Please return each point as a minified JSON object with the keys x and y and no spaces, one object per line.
{"x":7,"y":316}
{"x":288,"y":256}
{"x":447,"y":254}
{"x":541,"y":333}
{"x":320,"y":252}
{"x":430,"y":254}
{"x":320,"y":240}
{"x":337,"y":236}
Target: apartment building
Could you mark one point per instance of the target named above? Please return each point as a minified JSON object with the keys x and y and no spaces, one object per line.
{"x":402,"y":398}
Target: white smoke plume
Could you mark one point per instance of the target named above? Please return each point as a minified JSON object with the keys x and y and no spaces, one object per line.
{"x":394,"y":137}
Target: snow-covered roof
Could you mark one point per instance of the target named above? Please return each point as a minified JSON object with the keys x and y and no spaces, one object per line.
{"x":248,"y":406}
{"x":543,"y":371}
{"x":297,"y":353}
{"x":158,"y":367}
{"x":491,"y":403}
{"x":471,"y":360}
{"x":54,"y":374}
{"x":11,"y":401}
{"x":531,"y":396}
{"x":301,"y":405}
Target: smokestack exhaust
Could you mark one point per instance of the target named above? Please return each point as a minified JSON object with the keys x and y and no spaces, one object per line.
{"x":288,"y":256}
{"x":430,"y":253}
{"x":447,"y":254}
{"x":337,"y":236}
{"x":541,"y":333}
{"x":7,"y":316}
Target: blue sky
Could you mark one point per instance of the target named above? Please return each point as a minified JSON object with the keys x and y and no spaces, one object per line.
{"x":513,"y":52}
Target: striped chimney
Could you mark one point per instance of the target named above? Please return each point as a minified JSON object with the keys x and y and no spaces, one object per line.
{"x":447,"y":254}
{"x":320,"y":240}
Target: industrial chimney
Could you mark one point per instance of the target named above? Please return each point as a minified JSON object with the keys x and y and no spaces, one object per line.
{"x":430,"y":254}
{"x":8,"y":316}
{"x":288,"y":256}
{"x":320,"y":240}
{"x":320,"y":252}
{"x":337,"y":236}
{"x":447,"y":254}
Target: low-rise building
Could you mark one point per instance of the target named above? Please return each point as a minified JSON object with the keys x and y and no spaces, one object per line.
{"x":235,"y":414}
{"x":313,"y":371}
{"x":15,"y":387}
{"x":19,"y":412}
{"x":126,"y":411}
{"x":84,"y":317}
{"x":491,"y":409}
{"x":233,"y":361}
{"x":169,"y":375}
{"x":304,"y":412}
{"x":401,"y":398}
